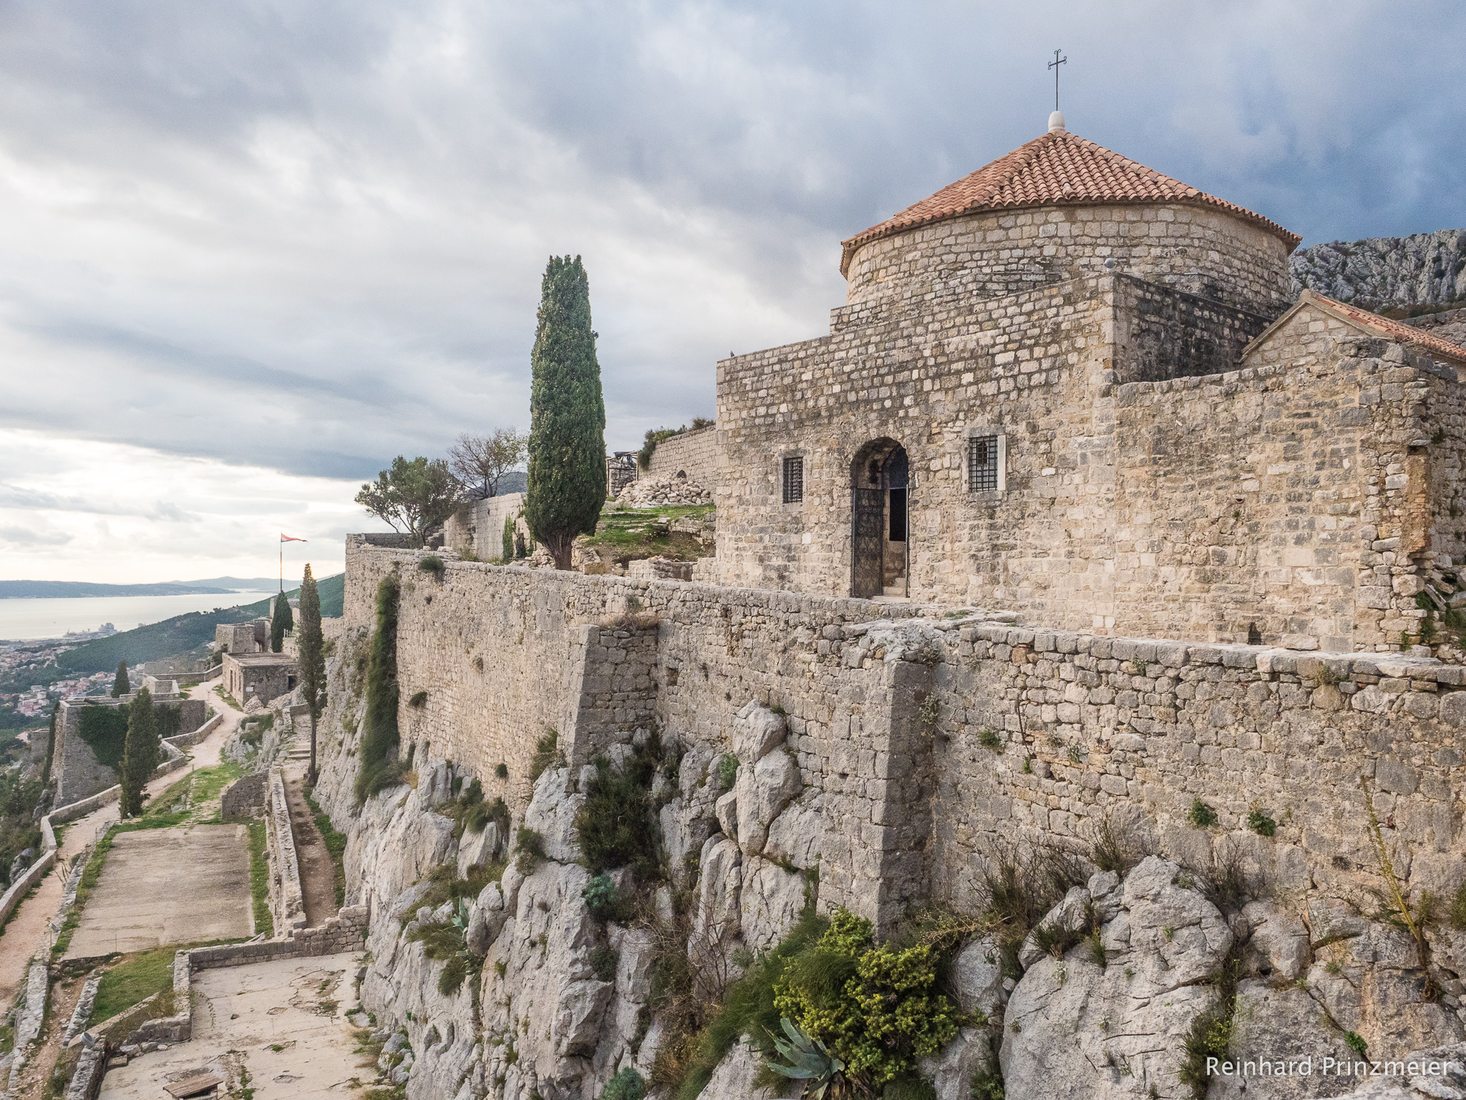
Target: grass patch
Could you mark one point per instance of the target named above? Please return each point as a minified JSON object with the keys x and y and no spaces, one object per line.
{"x":617,"y":824}
{"x":259,"y":879}
{"x":546,"y":755}
{"x":134,"y":980}
{"x":186,"y":802}
{"x":335,"y":844}
{"x":627,"y":534}
{"x":687,"y":1065}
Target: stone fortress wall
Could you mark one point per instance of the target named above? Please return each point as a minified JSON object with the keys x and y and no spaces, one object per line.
{"x":693,"y":453}
{"x":79,"y":774}
{"x":925,"y":740}
{"x":479,"y":525}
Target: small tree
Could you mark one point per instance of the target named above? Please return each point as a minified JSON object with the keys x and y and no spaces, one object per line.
{"x":567,"y":429}
{"x":282,"y":621}
{"x":312,"y":652}
{"x":412,"y":496}
{"x":140,"y":751}
{"x":120,"y":684}
{"x":479,"y":462}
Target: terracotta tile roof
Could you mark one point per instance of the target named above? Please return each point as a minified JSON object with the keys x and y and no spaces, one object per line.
{"x":1057,"y":169}
{"x":1386,"y":327}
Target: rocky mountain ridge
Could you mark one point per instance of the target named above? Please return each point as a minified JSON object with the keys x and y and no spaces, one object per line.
{"x":1422,"y":269}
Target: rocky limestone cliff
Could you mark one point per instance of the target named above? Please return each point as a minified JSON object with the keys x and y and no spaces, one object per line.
{"x":1118,"y":990}
{"x":1419,"y":270}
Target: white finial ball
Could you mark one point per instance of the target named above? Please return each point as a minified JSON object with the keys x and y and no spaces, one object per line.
{"x":1056,"y":122}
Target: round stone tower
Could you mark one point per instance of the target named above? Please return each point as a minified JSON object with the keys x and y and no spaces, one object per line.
{"x":1061,"y":206}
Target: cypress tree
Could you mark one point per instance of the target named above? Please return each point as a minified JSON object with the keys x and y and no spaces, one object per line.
{"x":120,"y":684}
{"x":282,"y":620}
{"x":312,"y":652}
{"x":140,"y":752}
{"x":567,"y":427}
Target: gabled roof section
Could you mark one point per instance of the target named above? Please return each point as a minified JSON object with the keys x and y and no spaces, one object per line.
{"x":1057,"y":169}
{"x":1369,"y":323}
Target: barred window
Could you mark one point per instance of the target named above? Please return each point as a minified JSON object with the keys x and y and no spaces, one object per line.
{"x":982,"y":463}
{"x":793,"y":479}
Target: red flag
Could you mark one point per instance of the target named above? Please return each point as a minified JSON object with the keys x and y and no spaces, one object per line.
{"x":290,"y":538}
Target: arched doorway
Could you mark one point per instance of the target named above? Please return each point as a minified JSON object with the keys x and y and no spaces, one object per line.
{"x":878,"y":515}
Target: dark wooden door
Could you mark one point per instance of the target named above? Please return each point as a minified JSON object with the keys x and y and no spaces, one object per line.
{"x":867,"y":542}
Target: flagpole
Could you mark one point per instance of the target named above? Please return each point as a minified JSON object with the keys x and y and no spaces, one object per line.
{"x":282,"y":563}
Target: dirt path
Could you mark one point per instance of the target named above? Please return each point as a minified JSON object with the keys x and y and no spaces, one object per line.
{"x":26,"y":932}
{"x":64,"y":995}
{"x":317,"y":868}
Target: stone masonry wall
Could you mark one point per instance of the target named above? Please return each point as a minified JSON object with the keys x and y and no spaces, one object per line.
{"x":507,"y":653}
{"x":1031,"y":367}
{"x":1093,"y":728}
{"x":478,"y":528}
{"x":1161,"y":332}
{"x":1195,"y":249}
{"x":887,"y":715}
{"x":1203,"y":498}
{"x":694,"y":453}
{"x":78,"y":772}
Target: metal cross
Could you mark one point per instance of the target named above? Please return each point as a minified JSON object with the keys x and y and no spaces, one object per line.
{"x":1054,"y":64}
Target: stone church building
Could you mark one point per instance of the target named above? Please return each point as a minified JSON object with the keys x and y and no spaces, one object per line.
{"x":1072,"y":386}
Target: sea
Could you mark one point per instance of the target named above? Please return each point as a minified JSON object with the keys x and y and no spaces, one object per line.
{"x":52,"y":617}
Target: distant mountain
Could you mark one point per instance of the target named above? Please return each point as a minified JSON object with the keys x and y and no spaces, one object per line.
{"x":235,"y":584}
{"x":180,"y":634}
{"x":221,"y":586}
{"x":1410,"y":275}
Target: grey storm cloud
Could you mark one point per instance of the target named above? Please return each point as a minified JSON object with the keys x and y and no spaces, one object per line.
{"x":310,"y":236}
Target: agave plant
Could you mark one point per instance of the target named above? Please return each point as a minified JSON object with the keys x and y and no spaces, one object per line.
{"x":807,"y":1059}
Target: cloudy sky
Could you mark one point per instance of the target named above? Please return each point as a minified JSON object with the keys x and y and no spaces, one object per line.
{"x":254,"y":249}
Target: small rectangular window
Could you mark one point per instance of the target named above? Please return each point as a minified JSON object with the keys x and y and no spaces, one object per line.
{"x":793,"y":479}
{"x":982,"y":463}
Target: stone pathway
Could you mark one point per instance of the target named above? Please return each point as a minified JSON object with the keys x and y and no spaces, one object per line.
{"x":277,"y":1029}
{"x":26,"y":932}
{"x":317,"y":868}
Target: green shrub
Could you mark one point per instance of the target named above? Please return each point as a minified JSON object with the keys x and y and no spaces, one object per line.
{"x":1210,"y":1037}
{"x":432,"y":563}
{"x":506,"y":550}
{"x":380,"y":737}
{"x":1201,"y":815}
{"x":1260,"y":823}
{"x":1356,"y":1043}
{"x":626,"y":1085}
{"x":990,"y":739}
{"x":988,"y":1085}
{"x":604,"y":901}
{"x":727,"y":771}
{"x":617,"y":824}
{"x":529,"y":848}
{"x":546,"y":755}
{"x":1020,"y":891}
{"x":445,"y":941}
{"x":603,"y":962}
{"x":419,"y":699}
{"x":700,"y":1036}
{"x":1456,"y":910}
{"x":501,"y":770}
{"x":877,"y":1007}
